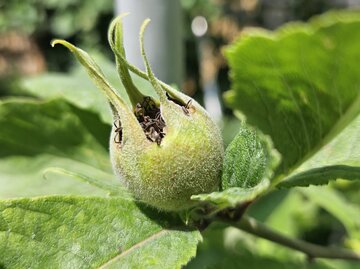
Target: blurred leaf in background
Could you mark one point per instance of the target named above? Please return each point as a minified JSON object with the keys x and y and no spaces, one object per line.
{"x":84,"y":21}
{"x":67,"y":17}
{"x":76,"y":88}
{"x":37,"y":135}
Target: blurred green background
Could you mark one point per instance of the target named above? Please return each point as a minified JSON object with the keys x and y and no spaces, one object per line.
{"x":30,"y":68}
{"x":27,"y":28}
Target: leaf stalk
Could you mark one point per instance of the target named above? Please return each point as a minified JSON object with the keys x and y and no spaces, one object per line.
{"x":252,"y":226}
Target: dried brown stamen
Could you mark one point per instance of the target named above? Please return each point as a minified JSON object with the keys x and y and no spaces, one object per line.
{"x":184,"y":107}
{"x":118,"y":132}
{"x":150,"y":119}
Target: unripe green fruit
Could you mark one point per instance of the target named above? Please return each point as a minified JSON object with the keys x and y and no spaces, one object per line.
{"x":164,"y":151}
{"x":188,"y":161}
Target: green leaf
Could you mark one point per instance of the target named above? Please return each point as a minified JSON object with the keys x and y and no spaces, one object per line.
{"x":77,"y":89}
{"x":38,"y":135}
{"x":239,"y":260}
{"x":299,"y":84}
{"x":68,"y":232}
{"x":338,"y":159}
{"x":337,"y":205}
{"x":233,"y":248}
{"x":284,"y":211}
{"x":111,"y":186}
{"x":249,"y":159}
{"x":232,"y":197}
{"x":74,"y":88}
{"x":249,"y":163}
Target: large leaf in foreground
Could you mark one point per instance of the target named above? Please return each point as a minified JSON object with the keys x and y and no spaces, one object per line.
{"x":249,"y":163}
{"x":297,"y":83}
{"x":338,"y":159}
{"x":37,"y":135}
{"x":69,"y":232}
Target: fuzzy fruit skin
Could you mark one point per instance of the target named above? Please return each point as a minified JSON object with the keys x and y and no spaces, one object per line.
{"x":188,"y":161}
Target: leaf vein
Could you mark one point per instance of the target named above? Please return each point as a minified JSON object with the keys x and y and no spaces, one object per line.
{"x":137,"y":245}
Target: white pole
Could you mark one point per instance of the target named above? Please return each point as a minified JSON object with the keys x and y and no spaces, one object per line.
{"x":163,"y":37}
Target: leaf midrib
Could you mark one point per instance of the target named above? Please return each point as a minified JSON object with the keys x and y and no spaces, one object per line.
{"x":343,"y":122}
{"x":137,"y":245}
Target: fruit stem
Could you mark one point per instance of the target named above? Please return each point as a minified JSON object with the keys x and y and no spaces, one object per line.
{"x":254,"y":227}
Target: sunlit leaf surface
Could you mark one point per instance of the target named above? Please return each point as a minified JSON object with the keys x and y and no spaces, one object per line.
{"x":301,"y":85}
{"x":78,"y":232}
